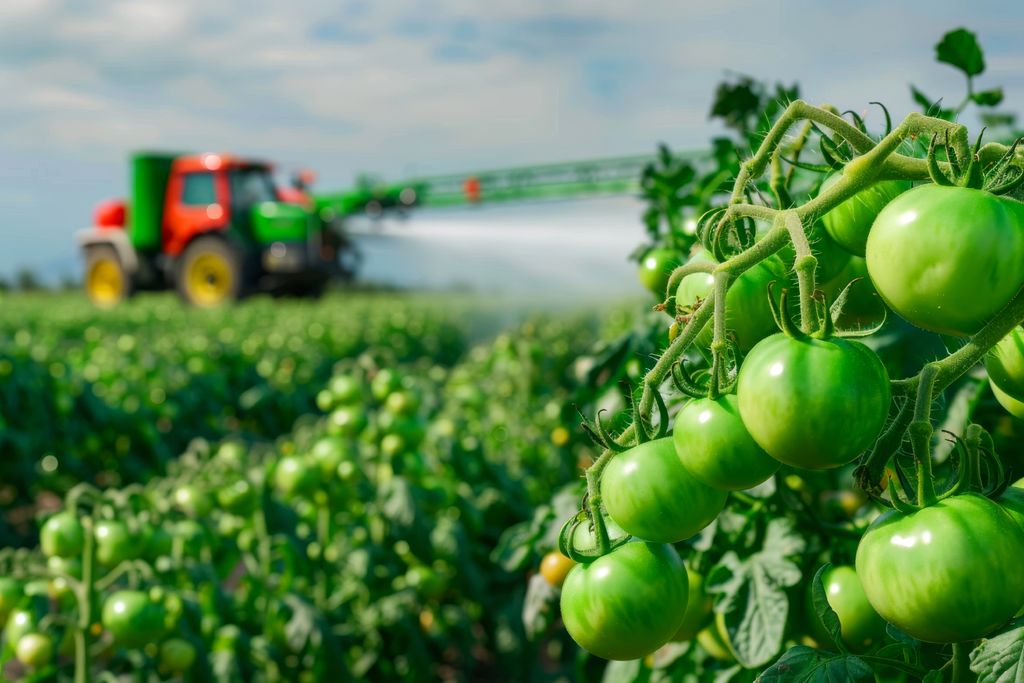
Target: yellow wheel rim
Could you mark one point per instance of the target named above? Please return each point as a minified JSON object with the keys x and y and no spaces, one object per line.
{"x":209,"y":279}
{"x":104,"y":282}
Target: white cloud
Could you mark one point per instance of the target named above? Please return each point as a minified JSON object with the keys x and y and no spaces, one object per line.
{"x":420,"y":86}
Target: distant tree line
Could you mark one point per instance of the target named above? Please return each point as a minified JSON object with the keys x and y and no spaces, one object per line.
{"x":26,"y":280}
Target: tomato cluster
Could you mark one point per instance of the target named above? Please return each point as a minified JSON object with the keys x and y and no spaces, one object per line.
{"x":792,"y":400}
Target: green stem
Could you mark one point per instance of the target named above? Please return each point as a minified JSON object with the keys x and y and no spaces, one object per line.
{"x":594,"y":506}
{"x":718,"y":342}
{"x":869,"y":473}
{"x":805,"y":265}
{"x":323,"y":537}
{"x":961,"y":663}
{"x":921,"y":435}
{"x":86,"y":606}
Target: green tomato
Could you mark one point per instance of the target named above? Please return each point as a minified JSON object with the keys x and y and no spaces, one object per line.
{"x":1012,"y":405}
{"x":20,"y":622}
{"x":62,"y":536}
{"x":1012,"y":501}
{"x":232,"y":453}
{"x":133,"y":618}
{"x":628,"y":603}
{"x":849,"y":223}
{"x":295,"y":476}
{"x":402,"y":402}
{"x":716,"y":448}
{"x":384,"y":382}
{"x":391,"y":445}
{"x":655,"y":268}
{"x":747,"y":311}
{"x":345,"y":389}
{"x":947,"y":259}
{"x":114,"y":543}
{"x":698,"y":609}
{"x":34,"y":650}
{"x":1005,"y":363}
{"x":346,"y":421}
{"x":859,"y":623}
{"x":328,"y":453}
{"x":238,"y":497}
{"x":11,"y":592}
{"x":648,"y":492}
{"x":192,"y":501}
{"x":177,"y":655}
{"x":947,"y":573}
{"x":813,"y":403}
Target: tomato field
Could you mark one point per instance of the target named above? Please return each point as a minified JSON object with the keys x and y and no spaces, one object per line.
{"x":796,"y":455}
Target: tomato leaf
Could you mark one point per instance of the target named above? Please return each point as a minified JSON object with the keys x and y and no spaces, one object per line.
{"x":827,"y":615}
{"x":750,"y":593}
{"x":625,"y":672}
{"x":539,"y":606}
{"x":802,"y":664}
{"x":1000,"y":658}
{"x":988,"y":98}
{"x":960,"y":50}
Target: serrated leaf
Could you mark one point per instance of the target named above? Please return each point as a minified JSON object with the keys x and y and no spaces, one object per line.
{"x":802,"y":664}
{"x":988,"y":98}
{"x":828,"y":617}
{"x":1000,"y":659}
{"x":751,"y":595}
{"x":960,"y":50}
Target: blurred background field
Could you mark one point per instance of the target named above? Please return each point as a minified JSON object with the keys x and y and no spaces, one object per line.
{"x":361,"y":483}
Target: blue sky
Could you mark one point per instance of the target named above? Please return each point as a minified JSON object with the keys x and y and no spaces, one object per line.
{"x":399,"y":88}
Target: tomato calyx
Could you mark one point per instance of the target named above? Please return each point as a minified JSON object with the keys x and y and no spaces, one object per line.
{"x":977,"y":470}
{"x":825,"y":314}
{"x":713,"y":382}
{"x":645,"y":431}
{"x":723,"y":235}
{"x":1001,"y":177}
{"x":567,"y":537}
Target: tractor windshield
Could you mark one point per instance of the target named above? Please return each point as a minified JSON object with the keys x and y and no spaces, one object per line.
{"x":251,"y":185}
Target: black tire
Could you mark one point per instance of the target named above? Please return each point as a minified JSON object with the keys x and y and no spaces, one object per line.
{"x":106,"y":282}
{"x":211,"y":272}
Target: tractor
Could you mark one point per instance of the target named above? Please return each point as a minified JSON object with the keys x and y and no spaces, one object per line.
{"x":213,"y":226}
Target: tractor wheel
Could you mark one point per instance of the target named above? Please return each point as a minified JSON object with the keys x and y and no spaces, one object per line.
{"x":106,"y":281}
{"x":210,"y":272}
